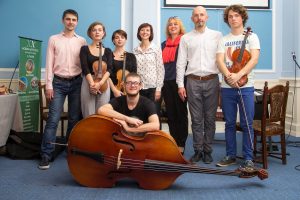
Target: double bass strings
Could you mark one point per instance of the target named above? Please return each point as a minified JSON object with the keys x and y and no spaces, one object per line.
{"x":152,"y":165}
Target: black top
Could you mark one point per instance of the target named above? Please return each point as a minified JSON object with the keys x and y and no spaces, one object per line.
{"x":170,"y":68}
{"x":87,"y":59}
{"x":118,"y":65}
{"x":144,"y":108}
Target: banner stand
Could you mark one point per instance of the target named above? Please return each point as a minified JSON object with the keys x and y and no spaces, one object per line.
{"x":29,"y":77}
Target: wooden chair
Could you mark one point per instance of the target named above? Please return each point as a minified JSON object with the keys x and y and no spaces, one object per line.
{"x":219,"y":113}
{"x":44,"y":110}
{"x":272,"y":122}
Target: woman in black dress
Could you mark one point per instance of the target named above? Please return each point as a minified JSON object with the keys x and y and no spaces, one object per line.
{"x":119,"y":39}
{"x":91,"y":95}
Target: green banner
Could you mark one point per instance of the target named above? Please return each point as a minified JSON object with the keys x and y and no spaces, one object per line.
{"x":29,"y":77}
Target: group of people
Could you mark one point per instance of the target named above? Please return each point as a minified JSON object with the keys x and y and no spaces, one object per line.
{"x":184,"y":71}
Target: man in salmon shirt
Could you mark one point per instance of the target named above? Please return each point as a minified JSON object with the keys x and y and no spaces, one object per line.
{"x":63,"y":78}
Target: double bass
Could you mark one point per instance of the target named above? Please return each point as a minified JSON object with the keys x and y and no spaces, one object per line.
{"x":240,"y":58}
{"x":99,"y":69}
{"x":121,"y":74}
{"x":100,"y":153}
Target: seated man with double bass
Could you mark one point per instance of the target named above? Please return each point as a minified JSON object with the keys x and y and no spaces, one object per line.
{"x":137,"y":114}
{"x":110,"y":155}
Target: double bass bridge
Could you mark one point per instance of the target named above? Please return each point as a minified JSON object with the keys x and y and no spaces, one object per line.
{"x":119,"y":162}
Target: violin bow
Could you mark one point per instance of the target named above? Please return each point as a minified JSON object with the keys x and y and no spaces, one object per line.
{"x":246,"y":118}
{"x":246,"y":33}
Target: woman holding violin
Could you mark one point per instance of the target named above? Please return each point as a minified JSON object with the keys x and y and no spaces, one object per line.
{"x":123,"y":63}
{"x":237,"y":55}
{"x":96,"y":64}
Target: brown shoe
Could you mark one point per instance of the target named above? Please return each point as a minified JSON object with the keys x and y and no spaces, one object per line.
{"x":226,"y":161}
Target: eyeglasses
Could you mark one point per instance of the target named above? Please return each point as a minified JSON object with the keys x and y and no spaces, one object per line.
{"x":131,"y":83}
{"x":174,"y":17}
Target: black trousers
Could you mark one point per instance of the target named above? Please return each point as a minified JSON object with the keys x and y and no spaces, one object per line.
{"x":177,"y":112}
{"x":150,"y":94}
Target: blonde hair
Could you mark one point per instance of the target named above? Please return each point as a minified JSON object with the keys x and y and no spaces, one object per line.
{"x":179,"y":22}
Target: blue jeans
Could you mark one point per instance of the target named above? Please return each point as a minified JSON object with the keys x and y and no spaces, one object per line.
{"x":62,"y":89}
{"x":230,"y":101}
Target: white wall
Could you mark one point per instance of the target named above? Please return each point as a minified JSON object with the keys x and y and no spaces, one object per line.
{"x":145,"y":11}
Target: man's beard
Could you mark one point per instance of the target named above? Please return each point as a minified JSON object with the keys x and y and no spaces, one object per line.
{"x":200,"y":24}
{"x":132,"y":95}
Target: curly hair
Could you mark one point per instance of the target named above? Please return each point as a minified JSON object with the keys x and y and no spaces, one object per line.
{"x":239,"y":8}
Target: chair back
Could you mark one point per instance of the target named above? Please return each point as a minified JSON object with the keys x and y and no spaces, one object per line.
{"x":272,"y":123}
{"x":44,"y":109}
{"x":275,"y":102}
{"x":44,"y":103}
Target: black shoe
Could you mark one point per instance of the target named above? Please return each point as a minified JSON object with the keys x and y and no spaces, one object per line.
{"x":196,"y":157}
{"x":207,"y":159}
{"x":3,"y":150}
{"x":44,"y":163}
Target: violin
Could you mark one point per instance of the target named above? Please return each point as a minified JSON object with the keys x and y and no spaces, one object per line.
{"x":121,"y":74}
{"x":99,"y":69}
{"x":100,"y":153}
{"x":240,"y":58}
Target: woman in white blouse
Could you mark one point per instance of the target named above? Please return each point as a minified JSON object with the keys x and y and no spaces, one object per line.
{"x":149,"y":64}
